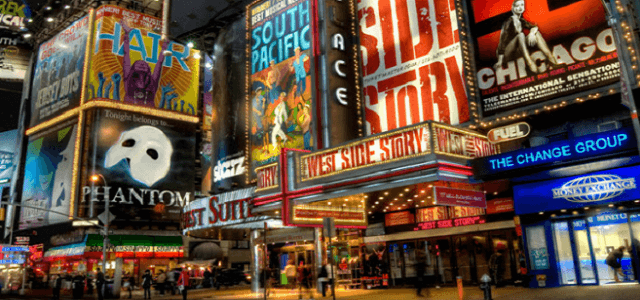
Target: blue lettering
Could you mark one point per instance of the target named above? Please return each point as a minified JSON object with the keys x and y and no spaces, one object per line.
{"x":566,"y":150}
{"x":180,"y":57}
{"x":520,"y":159}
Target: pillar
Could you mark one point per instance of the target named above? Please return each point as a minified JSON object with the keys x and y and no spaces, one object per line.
{"x":255,"y":269}
{"x":117,"y":277}
{"x":319,"y":255}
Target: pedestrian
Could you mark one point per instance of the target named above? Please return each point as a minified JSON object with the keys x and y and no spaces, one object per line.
{"x":89,"y":284}
{"x":305,"y":278}
{"x":206,"y":278}
{"x":146,"y":284}
{"x":421,"y":269}
{"x":78,"y":286}
{"x":614,"y":260}
{"x":522,"y":264}
{"x":57,"y":285}
{"x":130,"y":284}
{"x":161,"y":281}
{"x":496,"y":262}
{"x":291,"y":272}
{"x":100,"y":284}
{"x":323,"y":279}
{"x":183,"y":282}
{"x":171,"y":281}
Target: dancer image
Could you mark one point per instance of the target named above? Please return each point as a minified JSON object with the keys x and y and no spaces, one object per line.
{"x":280,"y":116}
{"x":297,"y":67}
{"x":514,"y":43}
{"x":140,"y":85}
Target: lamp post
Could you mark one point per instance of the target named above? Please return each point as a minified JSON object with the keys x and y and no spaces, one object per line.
{"x":105,"y":242}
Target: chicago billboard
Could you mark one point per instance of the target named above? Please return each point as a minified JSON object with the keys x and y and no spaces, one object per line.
{"x":145,"y":166}
{"x":130,"y":63}
{"x":58,"y":73}
{"x":48,"y":172}
{"x":533,"y":51}
{"x":280,"y":80}
{"x":411,"y":63}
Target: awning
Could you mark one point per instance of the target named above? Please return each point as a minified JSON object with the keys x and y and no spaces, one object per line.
{"x":73,"y":251}
{"x":135,"y":246}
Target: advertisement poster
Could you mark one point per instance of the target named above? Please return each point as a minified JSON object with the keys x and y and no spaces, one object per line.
{"x":14,"y":14}
{"x":145,"y":166}
{"x":58,"y":73}
{"x":14,"y":57}
{"x":47,"y":177}
{"x":207,"y":101}
{"x":7,"y":149}
{"x":281,"y":104}
{"x":411,"y":63}
{"x":228,"y":160}
{"x":533,"y":51}
{"x":129,"y":64}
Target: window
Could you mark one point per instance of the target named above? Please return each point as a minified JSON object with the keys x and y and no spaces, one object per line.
{"x":537,"y":244}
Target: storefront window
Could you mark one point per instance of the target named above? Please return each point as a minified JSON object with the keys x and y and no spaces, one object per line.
{"x":581,"y":238}
{"x":564,"y":255}
{"x":606,"y":237}
{"x":537,"y":244}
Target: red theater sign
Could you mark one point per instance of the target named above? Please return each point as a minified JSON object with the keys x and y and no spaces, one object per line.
{"x":451,"y":223}
{"x":459,"y":143}
{"x":397,"y":145}
{"x":456,"y":197}
{"x":267,"y":177}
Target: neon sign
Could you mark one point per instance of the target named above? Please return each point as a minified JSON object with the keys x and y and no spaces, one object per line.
{"x":591,"y":145}
{"x":451,"y":223}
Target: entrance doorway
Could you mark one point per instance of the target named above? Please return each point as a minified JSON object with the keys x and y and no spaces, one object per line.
{"x":582,"y":247}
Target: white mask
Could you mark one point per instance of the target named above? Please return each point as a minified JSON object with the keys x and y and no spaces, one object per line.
{"x":146,"y":149}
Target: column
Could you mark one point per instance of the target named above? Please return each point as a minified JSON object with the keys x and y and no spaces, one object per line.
{"x":319,"y":255}
{"x":255,"y":269}
{"x":117,"y":277}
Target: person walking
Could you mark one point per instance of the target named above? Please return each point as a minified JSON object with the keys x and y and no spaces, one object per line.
{"x":183,"y":282}
{"x":57,"y":285}
{"x":323,"y":278}
{"x":100,"y":284}
{"x":614,"y":260}
{"x":421,"y":269}
{"x":161,"y":281}
{"x":291,"y":272}
{"x":130,"y":284}
{"x":496,"y":262}
{"x":305,"y":278}
{"x":146,"y":284}
{"x":78,"y":286}
{"x":172,"y":277}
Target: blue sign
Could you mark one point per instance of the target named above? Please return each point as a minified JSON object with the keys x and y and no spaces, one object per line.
{"x":11,"y":261}
{"x":574,"y":192}
{"x":586,"y":146}
{"x":607,"y":218}
{"x":15,"y":249}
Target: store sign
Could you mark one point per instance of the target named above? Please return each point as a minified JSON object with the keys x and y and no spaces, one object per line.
{"x":431,"y":214}
{"x":573,"y":192}
{"x":464,"y":211}
{"x":508,"y":133}
{"x":607,"y":218}
{"x":463,"y":144}
{"x":587,"y":146}
{"x":389,"y":147}
{"x":229,"y":168}
{"x":411,"y":63}
{"x":313,"y":215}
{"x":497,"y":206}
{"x":451,"y":223}
{"x":287,"y":235}
{"x":9,"y":248}
{"x":268,"y":177}
{"x":399,"y":218}
{"x":574,"y":52}
{"x":456,"y":197}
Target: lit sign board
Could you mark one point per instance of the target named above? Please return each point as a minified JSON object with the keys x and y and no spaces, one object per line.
{"x":268,"y":177}
{"x":574,"y":192}
{"x":508,"y":133}
{"x":451,"y":223}
{"x":587,"y":146}
{"x":15,"y":249}
{"x":457,"y":197}
{"x":313,"y":215}
{"x":460,"y":143}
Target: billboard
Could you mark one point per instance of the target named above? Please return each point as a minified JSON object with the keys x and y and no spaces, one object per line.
{"x":280,"y":80}
{"x":48,"y":177}
{"x":228,"y":160}
{"x":207,"y":106}
{"x":14,"y":14}
{"x":58,"y":73}
{"x":14,"y":57}
{"x":129,"y":64}
{"x":7,"y":149}
{"x":411,"y":63}
{"x":532,"y":51}
{"x":145,"y":166}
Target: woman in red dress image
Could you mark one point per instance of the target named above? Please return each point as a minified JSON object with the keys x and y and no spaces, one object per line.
{"x":515,"y":43}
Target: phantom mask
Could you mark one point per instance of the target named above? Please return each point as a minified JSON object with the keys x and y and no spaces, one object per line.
{"x":147,"y":151}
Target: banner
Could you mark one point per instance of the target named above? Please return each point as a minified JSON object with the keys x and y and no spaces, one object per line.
{"x":229,"y":159}
{"x":14,"y":56}
{"x":456,"y":197}
{"x":129,"y":63}
{"x":566,"y":47}
{"x":280,"y":80}
{"x":58,"y":73}
{"x":145,"y":166}
{"x":412,"y":63}
{"x":47,"y":177}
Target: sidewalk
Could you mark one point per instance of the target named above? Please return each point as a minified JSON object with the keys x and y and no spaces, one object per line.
{"x":609,"y":292}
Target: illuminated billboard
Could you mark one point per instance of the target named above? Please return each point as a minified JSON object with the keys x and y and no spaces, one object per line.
{"x":533,"y":51}
{"x":280,"y":80}
{"x":58,"y":73}
{"x":411,"y":64}
{"x":130,"y":63}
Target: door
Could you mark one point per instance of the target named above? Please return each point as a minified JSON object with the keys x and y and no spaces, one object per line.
{"x":395,"y":264}
{"x":465,"y":258}
{"x":441,"y":254}
{"x":585,"y":263}
{"x":564,"y":253}
{"x":608,"y":232}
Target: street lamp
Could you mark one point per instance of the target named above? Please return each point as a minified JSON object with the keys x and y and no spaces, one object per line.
{"x":95,"y":178}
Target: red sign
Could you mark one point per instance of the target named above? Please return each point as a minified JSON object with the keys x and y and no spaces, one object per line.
{"x":464,"y":211}
{"x":463,"y":144}
{"x":399,"y":218}
{"x":267,"y":177}
{"x":318,"y":214}
{"x":455,"y":197}
{"x":497,"y":206}
{"x":431,"y":214}
{"x":451,"y":223}
{"x":368,"y":152}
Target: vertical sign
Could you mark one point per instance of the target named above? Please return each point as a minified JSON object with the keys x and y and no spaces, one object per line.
{"x":279,"y":78}
{"x":411,"y":63}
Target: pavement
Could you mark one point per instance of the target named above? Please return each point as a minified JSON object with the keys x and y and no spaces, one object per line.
{"x":608,"y":292}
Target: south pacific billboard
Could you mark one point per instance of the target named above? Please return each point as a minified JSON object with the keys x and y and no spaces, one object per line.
{"x":131,"y":64}
{"x":411,"y":63}
{"x":532,"y":51}
{"x":48,"y":172}
{"x":280,"y":80}
{"x":145,"y":166}
{"x":58,"y":73}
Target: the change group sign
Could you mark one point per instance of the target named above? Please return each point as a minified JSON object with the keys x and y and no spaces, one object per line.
{"x":569,"y":49}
